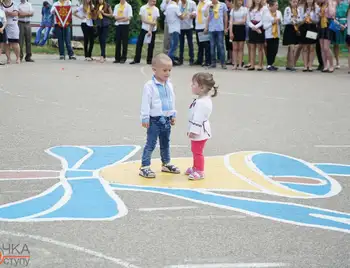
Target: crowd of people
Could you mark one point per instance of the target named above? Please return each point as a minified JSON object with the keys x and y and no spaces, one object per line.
{"x":222,"y":30}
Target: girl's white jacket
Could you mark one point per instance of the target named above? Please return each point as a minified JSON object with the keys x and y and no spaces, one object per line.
{"x":198,"y":120}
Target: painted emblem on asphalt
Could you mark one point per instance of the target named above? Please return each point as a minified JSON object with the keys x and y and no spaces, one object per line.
{"x":91,"y":177}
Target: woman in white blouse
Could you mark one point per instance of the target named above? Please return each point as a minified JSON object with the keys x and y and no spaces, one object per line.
{"x":238,"y":18}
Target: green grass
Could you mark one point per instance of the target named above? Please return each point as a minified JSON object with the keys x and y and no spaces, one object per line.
{"x":110,"y":50}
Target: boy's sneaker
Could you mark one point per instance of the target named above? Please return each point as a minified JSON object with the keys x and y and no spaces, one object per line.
{"x":170,"y":168}
{"x":197,"y":175}
{"x":189,"y":171}
{"x":146,"y":172}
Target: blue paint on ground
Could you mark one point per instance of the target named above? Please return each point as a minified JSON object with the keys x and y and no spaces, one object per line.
{"x":33,"y":206}
{"x":334,"y":169}
{"x":71,"y":154}
{"x":293,"y":213}
{"x":78,"y":174}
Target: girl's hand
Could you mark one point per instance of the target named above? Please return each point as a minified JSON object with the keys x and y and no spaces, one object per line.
{"x":192,"y":135}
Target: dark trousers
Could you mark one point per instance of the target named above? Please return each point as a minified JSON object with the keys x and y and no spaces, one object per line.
{"x":25,"y":36}
{"x":189,"y":36}
{"x":203,"y":47}
{"x":63,"y":37}
{"x":122,"y":38}
{"x":139,"y":46}
{"x":319,"y":53}
{"x":272,"y":49}
{"x":159,"y":127}
{"x":102,"y":38}
{"x":89,"y":39}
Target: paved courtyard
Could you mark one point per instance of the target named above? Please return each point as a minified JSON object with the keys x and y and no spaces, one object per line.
{"x":277,"y":192}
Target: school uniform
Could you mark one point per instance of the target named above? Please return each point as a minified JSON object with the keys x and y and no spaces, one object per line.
{"x":198,"y":123}
{"x":122,"y":31}
{"x":12,"y":29}
{"x":2,"y":23}
{"x":324,"y":32}
{"x":102,"y":22}
{"x":239,"y":31}
{"x":201,"y":21}
{"x":310,"y":18}
{"x":228,"y":43}
{"x":272,"y":36}
{"x":188,"y":9}
{"x":88,"y":30}
{"x":290,"y":35}
{"x":157,"y":109}
{"x":255,"y":19}
{"x":151,"y":14}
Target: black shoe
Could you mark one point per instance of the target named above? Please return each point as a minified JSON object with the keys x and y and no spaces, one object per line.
{"x":116,"y":61}
{"x":62,"y":57}
{"x":134,"y":62}
{"x":275,"y":68}
{"x":122,"y":61}
{"x":29,"y":60}
{"x":149,"y":62}
{"x":319,"y":68}
{"x":72,"y":57}
{"x":270,"y":68}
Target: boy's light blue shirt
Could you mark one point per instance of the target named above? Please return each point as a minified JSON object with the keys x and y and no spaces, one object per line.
{"x":217,"y":24}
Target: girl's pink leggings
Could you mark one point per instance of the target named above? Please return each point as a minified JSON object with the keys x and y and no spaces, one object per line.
{"x":197,"y":148}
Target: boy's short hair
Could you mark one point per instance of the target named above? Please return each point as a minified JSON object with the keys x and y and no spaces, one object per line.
{"x":160,"y":58}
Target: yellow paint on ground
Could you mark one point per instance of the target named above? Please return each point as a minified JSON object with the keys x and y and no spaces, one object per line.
{"x":217,"y":176}
{"x":239,"y":164}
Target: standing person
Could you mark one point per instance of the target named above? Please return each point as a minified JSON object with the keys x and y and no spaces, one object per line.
{"x":166,"y":37}
{"x":291,"y":21}
{"x":228,"y":41}
{"x":318,"y":43}
{"x":25,"y":12}
{"x":149,"y":14}
{"x":45,"y":24}
{"x":201,"y":21}
{"x":309,"y":16}
{"x":272,"y":25}
{"x":63,"y":34}
{"x":3,"y":40}
{"x":256,"y":34}
{"x":103,"y":13}
{"x":327,"y":13}
{"x":122,"y":14}
{"x":217,"y":26}
{"x":299,"y":47}
{"x":12,"y":29}
{"x":84,"y":12}
{"x":199,"y":130}
{"x":348,"y":39}
{"x":158,"y":115}
{"x":174,"y":17}
{"x":188,"y":8}
{"x":340,"y":36}
{"x":238,"y":19}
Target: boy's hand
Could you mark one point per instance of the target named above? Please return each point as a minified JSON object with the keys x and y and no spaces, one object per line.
{"x":145,"y":125}
{"x":173,"y":121}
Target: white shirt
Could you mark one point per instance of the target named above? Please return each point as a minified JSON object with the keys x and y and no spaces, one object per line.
{"x":189,"y":9}
{"x":143,"y":14}
{"x":10,"y":19}
{"x":289,"y":18}
{"x":238,"y":15}
{"x":53,"y":9}
{"x":201,"y":26}
{"x":126,"y":13}
{"x":155,"y":96}
{"x":2,"y":16}
{"x":198,"y":119}
{"x":313,"y":14}
{"x":268,"y":21}
{"x":25,"y":7}
{"x":82,"y":13}
{"x":172,"y":14}
{"x":255,"y":15}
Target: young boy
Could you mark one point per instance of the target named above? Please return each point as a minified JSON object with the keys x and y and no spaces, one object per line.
{"x":158,"y":114}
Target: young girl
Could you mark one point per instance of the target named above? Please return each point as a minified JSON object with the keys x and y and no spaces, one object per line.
{"x":103,"y":12}
{"x":238,"y":17}
{"x":84,"y":12}
{"x":272,"y":26}
{"x":199,"y":127}
{"x":326,"y":35}
{"x":256,"y":33}
{"x":291,"y":32}
{"x":340,"y":16}
{"x":309,"y":18}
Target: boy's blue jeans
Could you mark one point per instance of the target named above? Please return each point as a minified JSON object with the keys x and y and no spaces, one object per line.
{"x":217,"y":40}
{"x":174,"y":42}
{"x":158,"y":127}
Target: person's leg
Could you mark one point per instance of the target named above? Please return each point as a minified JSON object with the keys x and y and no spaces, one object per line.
{"x":336,"y":54}
{"x":15,"y":47}
{"x":348,"y":54}
{"x":197,"y":148}
{"x":319,"y":55}
{"x":91,"y":36}
{"x":46,"y":36}
{"x":240,"y":54}
{"x":324,"y":57}
{"x":276,"y":43}
{"x":221,"y":48}
{"x":261,"y":53}
{"x":28,"y":40}
{"x":182,"y":46}
{"x":212,"y":48}
{"x":200,"y":49}
{"x":252,"y":56}
{"x":118,"y":43}
{"x":311,"y":56}
{"x":104,"y":41}
{"x":38,"y":35}
{"x":67,"y":40}
{"x":125,"y":41}
{"x":298,"y":51}
{"x":189,"y":36}
{"x":166,"y":39}
{"x":60,"y":39}
{"x":21,"y":38}
{"x":207,"y":53}
{"x":235,"y":60}
{"x":84,"y":28}
{"x":306,"y":56}
{"x":151,"y":48}
{"x":328,"y":54}
{"x":164,"y":140}
{"x":269,"y":53}
{"x":139,"y":46}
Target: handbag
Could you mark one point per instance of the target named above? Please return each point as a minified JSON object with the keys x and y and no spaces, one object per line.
{"x":335,"y":27}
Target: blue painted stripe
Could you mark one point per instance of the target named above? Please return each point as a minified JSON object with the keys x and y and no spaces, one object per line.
{"x":334,"y":169}
{"x":33,"y":206}
{"x":293,"y":213}
{"x":78,"y":174}
{"x":89,"y":200}
{"x":72,"y":154}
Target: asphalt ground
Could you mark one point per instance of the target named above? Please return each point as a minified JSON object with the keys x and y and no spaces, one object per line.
{"x":54,"y":103}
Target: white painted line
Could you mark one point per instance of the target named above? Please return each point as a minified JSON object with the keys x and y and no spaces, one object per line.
{"x":29,"y":179}
{"x":24,"y":191}
{"x":333,"y":146}
{"x":120,"y":262}
{"x":209,"y":217}
{"x":230,"y":265}
{"x":166,"y":208}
